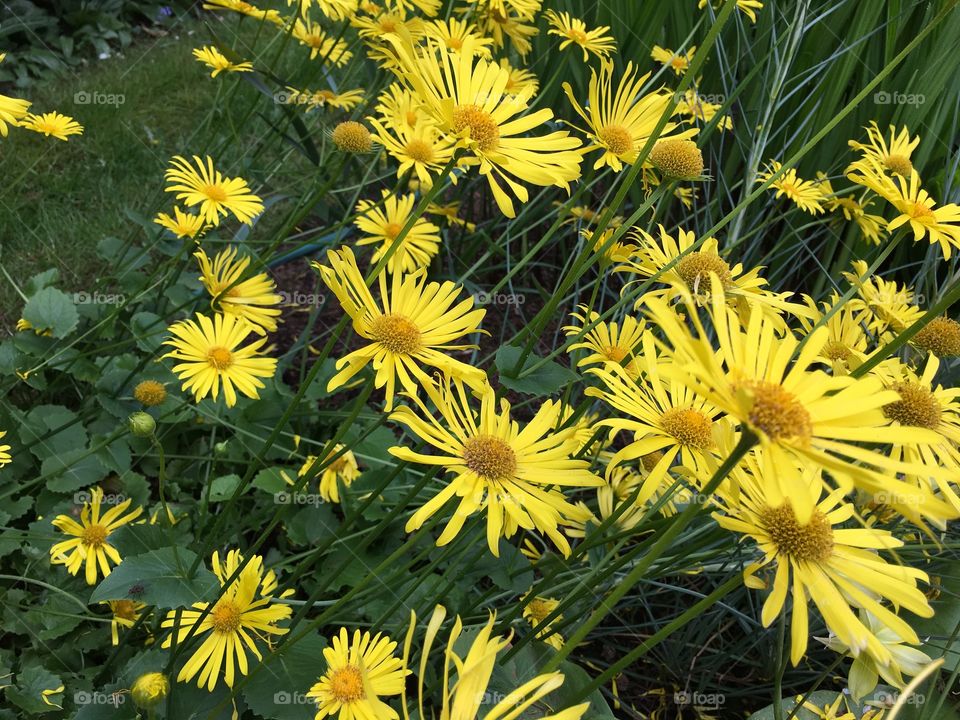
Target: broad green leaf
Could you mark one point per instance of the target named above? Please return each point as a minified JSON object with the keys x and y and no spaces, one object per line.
{"x":52,"y":309}
{"x":277,"y":690}
{"x":158,"y":577}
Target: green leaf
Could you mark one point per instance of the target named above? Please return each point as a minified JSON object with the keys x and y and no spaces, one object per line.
{"x":271,"y":480}
{"x":223,"y":487}
{"x":277,"y":690}
{"x":546,"y":379}
{"x":71,"y":470}
{"x":162,"y":577}
{"x":27,"y":688}
{"x":52,"y":429}
{"x":149,"y":330}
{"x":52,"y":309}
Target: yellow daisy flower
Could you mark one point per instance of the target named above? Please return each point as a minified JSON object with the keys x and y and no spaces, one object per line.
{"x":620,"y":122}
{"x":465,"y":97}
{"x":218,"y":62}
{"x":535,"y":611}
{"x":521,"y":80}
{"x":419,"y":147}
{"x":574,"y":31}
{"x":245,"y":613}
{"x":894,"y":156}
{"x":373,"y":29}
{"x":797,"y":414}
{"x":677,"y":61}
{"x":382,"y":222}
{"x":452,"y":33}
{"x":613,"y":342}
{"x":215,"y":194}
{"x":12,"y":110}
{"x":5,"y":457}
{"x":414,"y":324}
{"x":89,"y":546}
{"x":244,"y":8}
{"x":872,"y":226}
{"x":428,"y":7}
{"x":690,"y":277}
{"x":333,"y":9}
{"x":343,"y":468}
{"x":51,"y":124}
{"x":210,"y":353}
{"x":499,"y":468}
{"x":935,"y":408}
{"x":502,"y":24}
{"x":331,"y":50}
{"x":314,"y":99}
{"x":181,"y":224}
{"x":125,"y":615}
{"x":887,"y":307}
{"x":252,"y":299}
{"x":696,"y":106}
{"x":663,"y":415}
{"x":526,"y":9}
{"x":847,"y":342}
{"x":805,"y":194}
{"x":359,"y":672}
{"x":463,"y":697}
{"x":917,"y":209}
{"x":839,"y":568}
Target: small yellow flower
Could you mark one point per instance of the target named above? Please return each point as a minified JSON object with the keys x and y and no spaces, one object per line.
{"x":805,"y":194}
{"x":252,"y":298}
{"x":52,"y":124}
{"x":574,"y":31}
{"x":218,"y":62}
{"x":216,"y":195}
{"x":181,"y":224}
{"x":677,"y":61}
{"x":89,"y":546}
{"x":536,"y":611}
{"x":343,"y":468}
{"x":150,"y":393}
{"x":149,"y":689}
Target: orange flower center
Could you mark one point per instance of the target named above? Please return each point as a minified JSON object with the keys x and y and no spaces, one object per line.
{"x":419,"y":150}
{"x":776,"y":412}
{"x":917,"y":406}
{"x":396,"y":333}
{"x":617,"y":139}
{"x":346,"y":684}
{"x":220,"y":358}
{"x":813,"y":541}
{"x":690,"y":427}
{"x":489,"y":457}
{"x":483,"y":128}
{"x":125,"y":609}
{"x":215,"y":193}
{"x":226,"y":617}
{"x":921,"y":213}
{"x":94,"y":535}
{"x":900,"y":164}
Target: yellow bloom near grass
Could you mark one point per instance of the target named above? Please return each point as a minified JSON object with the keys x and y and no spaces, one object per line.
{"x":621,"y":120}
{"x":413,"y":326}
{"x":253,"y":298}
{"x":465,"y":96}
{"x":360,"y":670}
{"x":342,"y":467}
{"x":838,"y":568}
{"x":89,"y":546}
{"x":218,"y":63}
{"x":201,"y":184}
{"x":211,"y":353}
{"x":574,"y":32}
{"x":245,"y":613}
{"x":380,"y":224}
{"x":764,"y":380}
{"x":499,"y":468}
{"x":51,"y":124}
